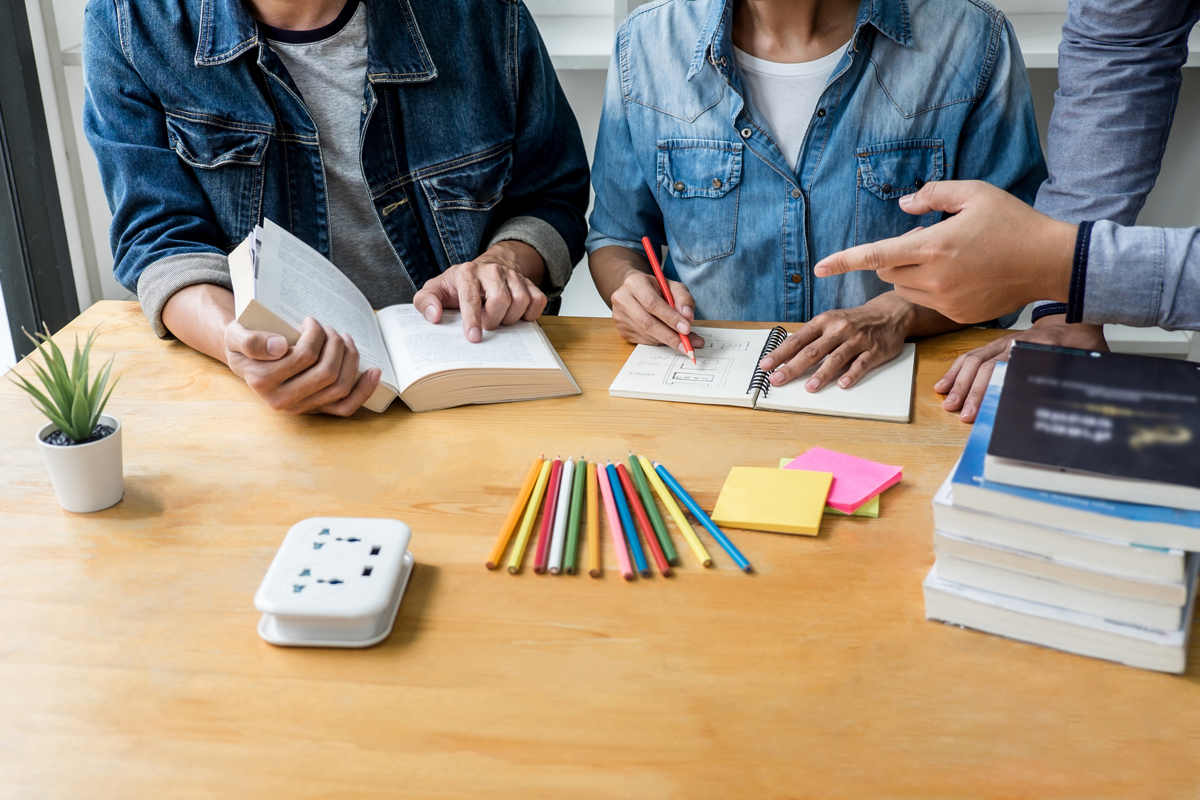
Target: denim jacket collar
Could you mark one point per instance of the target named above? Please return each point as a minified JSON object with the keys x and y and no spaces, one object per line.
{"x":890,"y":17}
{"x":227,"y":30}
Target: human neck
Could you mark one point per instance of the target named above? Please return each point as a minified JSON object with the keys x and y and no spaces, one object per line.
{"x":793,"y":31}
{"x":295,"y":15}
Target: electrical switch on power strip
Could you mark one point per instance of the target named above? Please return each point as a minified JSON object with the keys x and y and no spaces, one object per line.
{"x":335,"y":582}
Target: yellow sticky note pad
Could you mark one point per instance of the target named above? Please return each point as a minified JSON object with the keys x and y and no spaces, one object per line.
{"x":776,"y":500}
{"x":869,"y":509}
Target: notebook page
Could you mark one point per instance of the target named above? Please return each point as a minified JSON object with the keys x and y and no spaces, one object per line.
{"x":884,"y":394}
{"x":721,"y":374}
{"x":295,"y":282}
{"x":419,"y":348}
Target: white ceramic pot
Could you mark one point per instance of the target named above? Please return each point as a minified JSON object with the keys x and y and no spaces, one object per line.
{"x":86,"y":477}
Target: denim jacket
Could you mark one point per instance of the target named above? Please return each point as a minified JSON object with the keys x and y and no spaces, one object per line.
{"x":927,"y":90}
{"x":200,"y":132}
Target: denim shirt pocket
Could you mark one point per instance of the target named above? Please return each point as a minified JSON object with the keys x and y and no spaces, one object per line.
{"x":461,"y":195}
{"x":698,"y":186}
{"x":227,"y":160}
{"x":886,"y":172}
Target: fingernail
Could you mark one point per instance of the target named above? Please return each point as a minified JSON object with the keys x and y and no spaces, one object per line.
{"x":821,"y":272}
{"x":766,"y":363}
{"x":683,"y":327}
{"x":688,"y":312}
{"x":951,"y":399}
{"x":276,"y":345}
{"x":906,"y":200}
{"x":844,"y":382}
{"x":430,"y":313}
{"x":813,"y":385}
{"x":776,"y":378}
{"x":968,"y":409}
{"x":475,"y":335}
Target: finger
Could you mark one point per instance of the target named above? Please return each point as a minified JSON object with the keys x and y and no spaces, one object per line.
{"x":834,"y":363}
{"x":947,"y":381}
{"x":975,"y":396}
{"x":948,"y":196}
{"x":793,"y":344}
{"x":347,"y":376}
{"x":972,"y":363}
{"x":497,"y":297}
{"x":901,"y":251}
{"x":256,"y":345}
{"x":470,"y":301}
{"x":537,"y":301}
{"x":305,"y":353}
{"x":520,"y":297}
{"x":685,"y":304}
{"x":989,"y":350}
{"x":803,"y":361}
{"x":866,"y":361}
{"x":638,"y":325}
{"x":646,"y":294}
{"x":360,"y":394}
{"x":433,"y":297}
{"x":296,"y":392}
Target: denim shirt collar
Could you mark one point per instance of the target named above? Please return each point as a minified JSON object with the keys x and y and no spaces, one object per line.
{"x":227,"y":30}
{"x":890,"y":17}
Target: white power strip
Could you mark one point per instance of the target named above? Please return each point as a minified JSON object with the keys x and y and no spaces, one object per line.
{"x":335,"y":582}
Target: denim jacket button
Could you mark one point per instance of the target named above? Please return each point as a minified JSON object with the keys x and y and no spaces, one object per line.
{"x":919,"y":183}
{"x":679,"y":187}
{"x":717,"y":183}
{"x":746,"y":133}
{"x":795,"y":194}
{"x":887,"y":188}
{"x":797,"y":277}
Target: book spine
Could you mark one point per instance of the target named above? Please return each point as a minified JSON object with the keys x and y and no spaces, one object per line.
{"x":760,"y":381}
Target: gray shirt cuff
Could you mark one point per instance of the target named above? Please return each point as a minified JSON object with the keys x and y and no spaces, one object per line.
{"x":162,"y":279}
{"x":541,"y":236}
{"x":1142,"y":277}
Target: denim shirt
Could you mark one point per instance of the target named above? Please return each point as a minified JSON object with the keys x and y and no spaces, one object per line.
{"x":200,"y":132}
{"x":927,"y":90}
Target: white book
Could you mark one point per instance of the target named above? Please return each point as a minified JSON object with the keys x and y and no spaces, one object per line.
{"x":1037,"y":623}
{"x":278,"y":280}
{"x":726,"y":373}
{"x":1056,"y":545}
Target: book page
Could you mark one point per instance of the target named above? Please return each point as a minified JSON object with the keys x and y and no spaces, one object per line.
{"x":721,"y":374}
{"x":885,"y":393}
{"x":419,"y":348}
{"x":296,"y":281}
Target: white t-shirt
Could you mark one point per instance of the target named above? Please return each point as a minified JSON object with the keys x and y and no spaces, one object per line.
{"x":787,"y":95}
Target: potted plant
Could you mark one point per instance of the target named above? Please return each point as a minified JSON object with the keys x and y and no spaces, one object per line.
{"x":81,"y":445}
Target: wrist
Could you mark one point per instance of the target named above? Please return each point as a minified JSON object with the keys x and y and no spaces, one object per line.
{"x":1055,"y":275}
{"x":519,"y":256}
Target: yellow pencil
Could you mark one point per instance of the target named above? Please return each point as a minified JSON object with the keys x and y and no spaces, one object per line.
{"x":510,"y":524}
{"x":531,"y":512}
{"x":676,"y":513}
{"x":593,"y":522}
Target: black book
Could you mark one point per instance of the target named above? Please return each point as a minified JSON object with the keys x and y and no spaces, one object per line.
{"x":1106,"y":425}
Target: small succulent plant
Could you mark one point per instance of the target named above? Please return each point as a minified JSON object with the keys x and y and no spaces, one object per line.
{"x":68,"y":401}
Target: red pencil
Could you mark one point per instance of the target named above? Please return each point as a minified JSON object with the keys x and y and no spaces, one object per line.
{"x":643,"y":521}
{"x":542,"y":559}
{"x":666,"y":290}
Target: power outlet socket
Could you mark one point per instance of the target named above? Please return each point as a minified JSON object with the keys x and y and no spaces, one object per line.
{"x":335,"y":582}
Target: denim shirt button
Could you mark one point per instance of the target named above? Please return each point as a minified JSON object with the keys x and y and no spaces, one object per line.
{"x":887,"y":188}
{"x":717,"y":183}
{"x":797,"y":278}
{"x":820,"y":112}
{"x":746,"y":133}
{"x":919,"y":183}
{"x":679,"y":187}
{"x":795,"y":194}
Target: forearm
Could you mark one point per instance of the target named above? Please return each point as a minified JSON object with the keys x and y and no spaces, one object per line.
{"x":611,"y":265}
{"x":197,"y":315}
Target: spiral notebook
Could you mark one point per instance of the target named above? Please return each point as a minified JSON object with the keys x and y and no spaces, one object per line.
{"x":726,"y":373}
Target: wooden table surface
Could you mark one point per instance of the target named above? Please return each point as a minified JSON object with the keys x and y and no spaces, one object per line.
{"x":130,"y":666}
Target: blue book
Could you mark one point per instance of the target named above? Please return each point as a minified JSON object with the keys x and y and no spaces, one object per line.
{"x":1131,"y":523}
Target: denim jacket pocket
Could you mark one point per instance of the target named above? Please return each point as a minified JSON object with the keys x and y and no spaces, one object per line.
{"x":227,"y":160}
{"x":457,"y":193}
{"x":698,"y":185}
{"x":887,"y":172}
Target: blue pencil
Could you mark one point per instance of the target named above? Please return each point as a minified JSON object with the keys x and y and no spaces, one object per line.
{"x":702,"y":518}
{"x":635,"y":546}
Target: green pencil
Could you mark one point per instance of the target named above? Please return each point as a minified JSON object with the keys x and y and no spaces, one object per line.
{"x":573,"y":521}
{"x":656,"y":520}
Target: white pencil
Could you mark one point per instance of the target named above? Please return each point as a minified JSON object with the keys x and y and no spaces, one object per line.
{"x":560,"y":517}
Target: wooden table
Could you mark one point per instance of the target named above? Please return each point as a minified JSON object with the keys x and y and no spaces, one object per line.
{"x":130,"y":666}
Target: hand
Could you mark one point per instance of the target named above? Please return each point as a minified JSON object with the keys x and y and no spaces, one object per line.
{"x":994,"y":256}
{"x":316,"y":376}
{"x":491,"y":291}
{"x":854,"y":339}
{"x":643,"y":316}
{"x":967,"y":379}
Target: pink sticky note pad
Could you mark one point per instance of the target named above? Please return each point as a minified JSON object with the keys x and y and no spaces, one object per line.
{"x":855,"y":480}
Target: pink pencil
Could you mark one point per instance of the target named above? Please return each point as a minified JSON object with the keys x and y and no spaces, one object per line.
{"x":542,"y":558}
{"x":614,"y":525}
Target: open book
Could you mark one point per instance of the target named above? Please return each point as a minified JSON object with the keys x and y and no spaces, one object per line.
{"x":279,"y":280}
{"x":726,"y":373}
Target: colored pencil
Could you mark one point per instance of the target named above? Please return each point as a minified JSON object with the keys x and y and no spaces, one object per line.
{"x":562,"y":511}
{"x":676,"y":513}
{"x":510,"y":524}
{"x":547,"y":530}
{"x":535,"y":500}
{"x":702,"y":518}
{"x":576,"y":512}
{"x":593,"y":520}
{"x":635,"y":547}
{"x":643,"y":522}
{"x":656,"y":520}
{"x":666,"y":290}
{"x":614,"y":524}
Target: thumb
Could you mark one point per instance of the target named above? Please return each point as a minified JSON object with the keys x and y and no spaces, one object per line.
{"x":432,"y":298}
{"x":947,"y":196}
{"x":257,"y":345}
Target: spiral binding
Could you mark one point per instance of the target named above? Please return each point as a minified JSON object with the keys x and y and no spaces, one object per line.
{"x":761,"y":380}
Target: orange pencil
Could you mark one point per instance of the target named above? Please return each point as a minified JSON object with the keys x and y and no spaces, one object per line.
{"x":643,"y":522}
{"x":666,"y":290}
{"x":510,"y":524}
{"x":593,"y":522}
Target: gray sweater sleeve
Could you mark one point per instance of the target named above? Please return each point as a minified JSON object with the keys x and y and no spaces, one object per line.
{"x":159,"y":281}
{"x":541,"y":236}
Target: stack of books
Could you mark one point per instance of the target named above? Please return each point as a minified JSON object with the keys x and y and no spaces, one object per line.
{"x":1072,"y":518}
